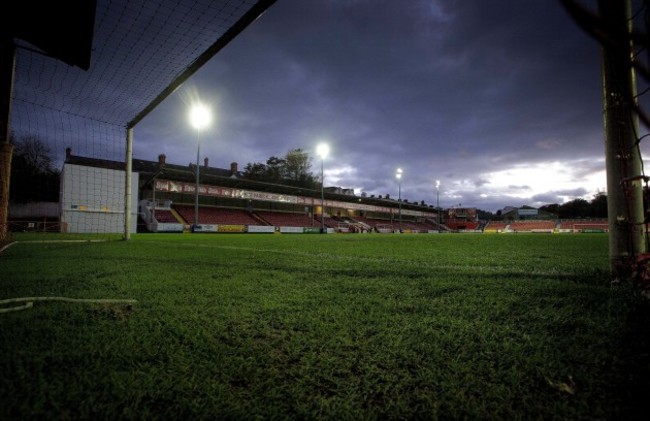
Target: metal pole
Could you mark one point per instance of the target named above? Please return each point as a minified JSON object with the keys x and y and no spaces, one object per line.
{"x":322,"y":196}
{"x":622,"y":156}
{"x":128,"y":170}
{"x":399,"y":200}
{"x":153,"y":196}
{"x":438,"y":204}
{"x":196,"y":190}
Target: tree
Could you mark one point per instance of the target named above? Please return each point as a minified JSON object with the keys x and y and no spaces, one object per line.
{"x":599,"y":206}
{"x":580,"y":208}
{"x":34,"y":155}
{"x":293,"y":169}
{"x":255,"y":171}
{"x":298,"y":164}
{"x":33,"y":176}
{"x":553,"y":208}
{"x":275,"y":169}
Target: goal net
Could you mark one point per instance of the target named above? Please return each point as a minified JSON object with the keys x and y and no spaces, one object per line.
{"x":71,"y":128}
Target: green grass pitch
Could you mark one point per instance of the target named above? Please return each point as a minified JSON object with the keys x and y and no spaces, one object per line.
{"x":323,"y":327}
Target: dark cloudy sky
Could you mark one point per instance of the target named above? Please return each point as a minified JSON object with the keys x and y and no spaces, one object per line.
{"x":499,"y":100}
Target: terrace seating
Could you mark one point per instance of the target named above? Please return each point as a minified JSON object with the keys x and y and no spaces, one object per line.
{"x":348,"y":224}
{"x":186,"y":212}
{"x":406,"y":224}
{"x":165,"y":217}
{"x":461,"y":224}
{"x":411,"y":226}
{"x":496,"y":226}
{"x":579,"y":225}
{"x":429,"y":224}
{"x":283,"y":219}
{"x":359,"y":226}
{"x":383,"y":228}
{"x":345,"y":224}
{"x":437,"y":226}
{"x":372,"y":222}
{"x":533,"y":226}
{"x":329,"y":222}
{"x":425,"y":223}
{"x":220,"y":216}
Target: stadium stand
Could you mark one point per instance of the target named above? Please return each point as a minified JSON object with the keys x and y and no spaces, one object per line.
{"x":341,"y":224}
{"x":373,"y":222}
{"x":360,"y":226}
{"x":283,"y":219}
{"x":582,"y":225}
{"x":329,"y":223}
{"x":496,"y":226}
{"x":165,"y":216}
{"x":247,"y":203}
{"x":414,"y":226}
{"x":347,"y":224}
{"x":533,"y":226}
{"x":437,"y":226}
{"x":212,"y":215}
{"x":461,"y":224}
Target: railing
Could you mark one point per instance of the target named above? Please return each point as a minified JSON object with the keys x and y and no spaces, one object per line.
{"x":36,"y":226}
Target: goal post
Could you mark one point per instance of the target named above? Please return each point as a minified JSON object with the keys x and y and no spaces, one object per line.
{"x":128,"y":172}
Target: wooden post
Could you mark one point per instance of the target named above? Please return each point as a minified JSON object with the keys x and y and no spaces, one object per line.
{"x":7,"y":68}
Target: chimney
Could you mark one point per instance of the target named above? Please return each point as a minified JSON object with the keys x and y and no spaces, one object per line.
{"x":68,"y":153}
{"x":233,"y":168}
{"x":205,"y":162}
{"x":161,"y":159}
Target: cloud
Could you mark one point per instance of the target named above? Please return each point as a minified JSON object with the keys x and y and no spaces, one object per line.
{"x":498,"y":100}
{"x":548,"y":144}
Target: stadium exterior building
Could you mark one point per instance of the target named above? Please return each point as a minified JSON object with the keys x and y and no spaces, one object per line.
{"x":92,"y":196}
{"x":526,"y":213}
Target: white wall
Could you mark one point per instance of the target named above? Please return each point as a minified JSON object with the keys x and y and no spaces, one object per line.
{"x":92,"y":199}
